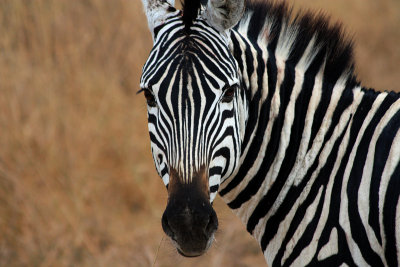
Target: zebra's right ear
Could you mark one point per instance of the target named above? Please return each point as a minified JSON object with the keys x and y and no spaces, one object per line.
{"x":224,"y":14}
{"x":157,"y":11}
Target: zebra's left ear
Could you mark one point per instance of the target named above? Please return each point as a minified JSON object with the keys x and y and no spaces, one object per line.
{"x":224,"y":14}
{"x":157,"y":11}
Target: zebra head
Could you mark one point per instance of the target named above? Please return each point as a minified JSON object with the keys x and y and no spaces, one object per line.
{"x":195,"y":103}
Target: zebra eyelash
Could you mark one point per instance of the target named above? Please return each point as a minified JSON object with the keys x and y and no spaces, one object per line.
{"x":148,"y":93}
{"x":143,"y":89}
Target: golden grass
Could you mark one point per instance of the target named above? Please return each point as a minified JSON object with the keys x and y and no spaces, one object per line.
{"x":77,"y":182}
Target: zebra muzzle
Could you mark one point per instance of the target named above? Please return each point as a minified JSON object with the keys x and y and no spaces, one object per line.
{"x":189,"y":219}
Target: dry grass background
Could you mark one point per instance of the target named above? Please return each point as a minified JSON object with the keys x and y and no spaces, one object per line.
{"x":77,"y":182}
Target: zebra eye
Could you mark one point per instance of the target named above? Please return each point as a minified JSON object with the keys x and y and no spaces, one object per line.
{"x":151,"y":101}
{"x":229,"y":94}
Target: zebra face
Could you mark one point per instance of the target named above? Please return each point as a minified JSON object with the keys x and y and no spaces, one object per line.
{"x":194,"y":98}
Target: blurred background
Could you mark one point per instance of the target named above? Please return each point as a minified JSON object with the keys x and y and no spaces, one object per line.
{"x":77,"y":182}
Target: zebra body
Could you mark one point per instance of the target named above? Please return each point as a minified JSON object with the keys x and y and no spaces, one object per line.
{"x":312,"y":190}
{"x":304,"y":155}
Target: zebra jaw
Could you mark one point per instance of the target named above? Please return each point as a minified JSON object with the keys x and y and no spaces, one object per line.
{"x":189,"y":219}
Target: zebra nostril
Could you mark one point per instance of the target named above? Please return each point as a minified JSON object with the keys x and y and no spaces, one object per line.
{"x":166,"y":227}
{"x":212,"y":224}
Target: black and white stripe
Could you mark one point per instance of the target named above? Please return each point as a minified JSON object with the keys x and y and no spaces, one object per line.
{"x":319,"y":179}
{"x":304,"y":155}
{"x":191,"y":127}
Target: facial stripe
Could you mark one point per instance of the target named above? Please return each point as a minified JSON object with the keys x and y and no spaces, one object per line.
{"x":190,"y":127}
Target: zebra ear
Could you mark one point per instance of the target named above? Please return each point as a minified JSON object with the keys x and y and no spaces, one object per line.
{"x":157,"y":11}
{"x":224,"y":14}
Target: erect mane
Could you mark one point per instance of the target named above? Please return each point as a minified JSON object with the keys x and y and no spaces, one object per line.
{"x":269,"y":20}
{"x":190,"y":11}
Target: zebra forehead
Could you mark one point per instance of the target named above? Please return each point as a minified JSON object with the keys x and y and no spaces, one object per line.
{"x":193,"y":67}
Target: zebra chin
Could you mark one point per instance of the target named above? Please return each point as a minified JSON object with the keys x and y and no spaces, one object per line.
{"x":189,"y":218}
{"x":190,"y":253}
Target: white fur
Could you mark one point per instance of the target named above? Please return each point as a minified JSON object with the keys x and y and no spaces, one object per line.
{"x":331,"y":248}
{"x":224,"y":14}
{"x":157,"y":12}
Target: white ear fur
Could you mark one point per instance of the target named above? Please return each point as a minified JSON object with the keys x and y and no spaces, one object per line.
{"x":157,"y":11}
{"x":224,"y":14}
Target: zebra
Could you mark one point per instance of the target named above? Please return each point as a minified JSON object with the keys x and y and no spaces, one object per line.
{"x":263,"y":106}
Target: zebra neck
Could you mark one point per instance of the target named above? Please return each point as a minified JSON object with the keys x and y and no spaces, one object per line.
{"x":294,"y":119}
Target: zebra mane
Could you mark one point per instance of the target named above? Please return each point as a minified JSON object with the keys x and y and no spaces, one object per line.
{"x":273,"y":22}
{"x":190,"y":11}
